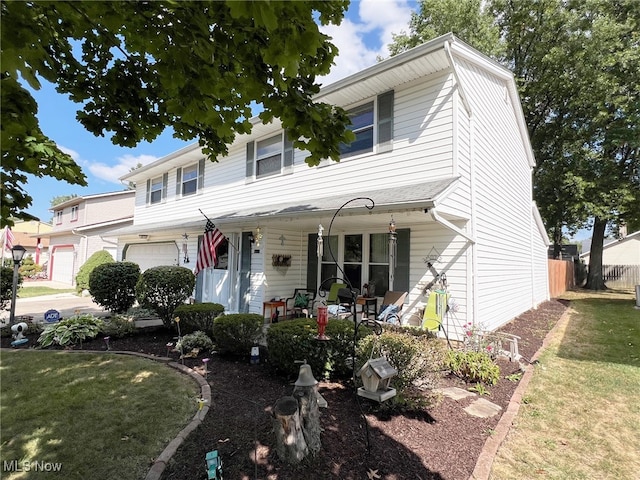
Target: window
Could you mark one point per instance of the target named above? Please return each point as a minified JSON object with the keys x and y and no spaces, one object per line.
{"x":362,"y":125}
{"x":363,"y":258}
{"x":270,"y":156}
{"x":58,"y":217}
{"x":371,"y":130}
{"x":190,"y":180}
{"x":74,"y":213}
{"x":157,"y":189}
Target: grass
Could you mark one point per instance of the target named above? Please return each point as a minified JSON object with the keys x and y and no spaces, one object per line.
{"x":93,"y":415}
{"x":28,"y":292}
{"x":580,"y":417}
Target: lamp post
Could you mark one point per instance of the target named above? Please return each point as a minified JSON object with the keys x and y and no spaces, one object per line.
{"x":17,"y":253}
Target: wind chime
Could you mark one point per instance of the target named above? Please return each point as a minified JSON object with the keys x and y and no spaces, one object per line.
{"x":185,"y":251}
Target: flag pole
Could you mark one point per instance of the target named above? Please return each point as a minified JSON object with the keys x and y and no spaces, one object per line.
{"x":228,"y":240}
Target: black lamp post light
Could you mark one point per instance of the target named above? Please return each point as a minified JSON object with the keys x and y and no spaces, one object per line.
{"x":17,"y":253}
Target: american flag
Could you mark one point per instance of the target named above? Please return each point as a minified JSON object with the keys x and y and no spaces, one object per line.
{"x":8,"y":238}
{"x":207,"y":252}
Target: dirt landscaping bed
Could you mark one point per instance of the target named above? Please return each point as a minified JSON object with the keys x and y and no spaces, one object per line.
{"x":358,"y":442}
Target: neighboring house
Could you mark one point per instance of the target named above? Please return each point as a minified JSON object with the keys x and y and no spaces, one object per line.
{"x":625,"y":251}
{"x":567,"y":252}
{"x":32,"y":236}
{"x":81,"y":227}
{"x":441,"y":148}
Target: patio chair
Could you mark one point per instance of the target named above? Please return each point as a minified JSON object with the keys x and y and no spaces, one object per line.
{"x":302,"y":299}
{"x":391,"y":308}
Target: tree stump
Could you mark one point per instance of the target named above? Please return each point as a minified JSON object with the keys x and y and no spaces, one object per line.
{"x":307,"y":398}
{"x":291,"y":445}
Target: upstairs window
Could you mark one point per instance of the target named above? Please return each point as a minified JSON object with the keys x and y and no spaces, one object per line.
{"x":58,"y":217}
{"x":270,"y":156}
{"x":190,"y":180}
{"x":372,"y":124}
{"x":157,"y":189}
{"x":74,"y":213}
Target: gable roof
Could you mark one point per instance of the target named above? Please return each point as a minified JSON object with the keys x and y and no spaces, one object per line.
{"x":608,"y":242}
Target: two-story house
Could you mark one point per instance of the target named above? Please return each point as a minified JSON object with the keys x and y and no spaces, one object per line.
{"x":81,"y":227}
{"x":441,"y":149}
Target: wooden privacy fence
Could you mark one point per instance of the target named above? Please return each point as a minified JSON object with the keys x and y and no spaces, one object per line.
{"x":561,"y":277}
{"x":621,"y":276}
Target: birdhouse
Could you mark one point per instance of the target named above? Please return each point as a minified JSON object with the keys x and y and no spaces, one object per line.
{"x":376,"y":375}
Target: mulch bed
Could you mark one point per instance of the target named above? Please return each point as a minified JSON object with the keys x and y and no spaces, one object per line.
{"x":442,"y":442}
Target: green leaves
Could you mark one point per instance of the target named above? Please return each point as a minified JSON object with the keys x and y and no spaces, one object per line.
{"x":140,"y":67}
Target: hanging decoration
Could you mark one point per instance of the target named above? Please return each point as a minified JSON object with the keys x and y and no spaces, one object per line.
{"x":434,"y":256}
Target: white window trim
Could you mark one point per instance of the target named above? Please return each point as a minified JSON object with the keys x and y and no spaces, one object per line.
{"x":75,"y":211}
{"x":151,"y":191}
{"x":287,"y":157}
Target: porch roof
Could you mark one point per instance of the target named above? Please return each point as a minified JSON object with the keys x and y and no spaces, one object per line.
{"x":413,"y":197}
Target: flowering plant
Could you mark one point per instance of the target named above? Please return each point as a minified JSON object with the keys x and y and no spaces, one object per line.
{"x":476,"y":340}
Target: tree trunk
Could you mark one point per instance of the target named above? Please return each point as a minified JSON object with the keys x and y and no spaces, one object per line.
{"x":557,"y":242}
{"x":594,"y":276}
{"x":290,"y":443}
{"x":310,"y":413}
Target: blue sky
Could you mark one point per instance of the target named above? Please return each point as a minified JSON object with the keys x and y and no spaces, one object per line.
{"x":363,"y":36}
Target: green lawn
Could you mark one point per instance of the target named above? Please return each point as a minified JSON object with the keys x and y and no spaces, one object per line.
{"x":580,"y":417}
{"x":28,"y":292}
{"x":94,"y":416}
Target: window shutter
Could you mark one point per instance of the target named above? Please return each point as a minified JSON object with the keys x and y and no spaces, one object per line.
{"x":312,"y":262}
{"x":288,"y":154}
{"x":148,"y":191}
{"x":250,"y":155}
{"x":385,"y":122}
{"x":401,"y":275}
{"x":165,"y":182}
{"x":178,"y":181}
{"x":201,"y":164}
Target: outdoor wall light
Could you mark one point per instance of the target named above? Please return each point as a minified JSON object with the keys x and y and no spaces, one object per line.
{"x":143,"y":236}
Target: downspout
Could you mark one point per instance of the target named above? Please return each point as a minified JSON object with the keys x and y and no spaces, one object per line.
{"x":447,"y":224}
{"x":472,"y":199}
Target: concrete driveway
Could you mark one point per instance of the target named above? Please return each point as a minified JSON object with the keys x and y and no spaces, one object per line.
{"x":68,"y":304}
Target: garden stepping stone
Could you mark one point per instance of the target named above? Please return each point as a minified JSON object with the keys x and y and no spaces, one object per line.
{"x":455,"y":393}
{"x":483,"y":408}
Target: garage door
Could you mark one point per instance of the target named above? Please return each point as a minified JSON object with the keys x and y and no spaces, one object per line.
{"x":148,"y":255}
{"x":62,"y":265}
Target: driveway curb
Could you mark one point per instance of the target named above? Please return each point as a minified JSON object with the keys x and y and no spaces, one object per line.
{"x":484,"y":463}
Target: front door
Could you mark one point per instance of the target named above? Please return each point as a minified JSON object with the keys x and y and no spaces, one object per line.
{"x":216,"y":285}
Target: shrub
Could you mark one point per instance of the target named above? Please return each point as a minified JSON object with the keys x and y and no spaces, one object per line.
{"x":73,"y":330}
{"x":113,"y":285}
{"x":193,"y":340}
{"x":118,"y":326}
{"x":165,"y":288}
{"x":473,"y":366}
{"x":236,"y":333}
{"x":139,"y":312}
{"x":198,"y":316}
{"x":6,"y":286}
{"x":295,"y":340}
{"x":29,"y":268}
{"x":418,"y":359}
{"x":98,"y":258}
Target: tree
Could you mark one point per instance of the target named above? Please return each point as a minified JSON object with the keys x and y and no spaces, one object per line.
{"x":576,"y":67}
{"x":61,"y":199}
{"x":138,"y":67}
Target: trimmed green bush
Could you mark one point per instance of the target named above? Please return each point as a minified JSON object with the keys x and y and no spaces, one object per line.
{"x":29,"y":268}
{"x":118,"y":326}
{"x":99,"y":258}
{"x":113,"y":285}
{"x":193,"y":340}
{"x":236,"y":333}
{"x":71,"y":331}
{"x":198,"y":316}
{"x":417,"y":358}
{"x":165,"y":288}
{"x":295,"y":340}
{"x":6,"y":286}
{"x":473,"y":366}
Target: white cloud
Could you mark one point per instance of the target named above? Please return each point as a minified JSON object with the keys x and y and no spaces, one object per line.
{"x":123,"y":165}
{"x":364,"y":34}
{"x":72,"y":153}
